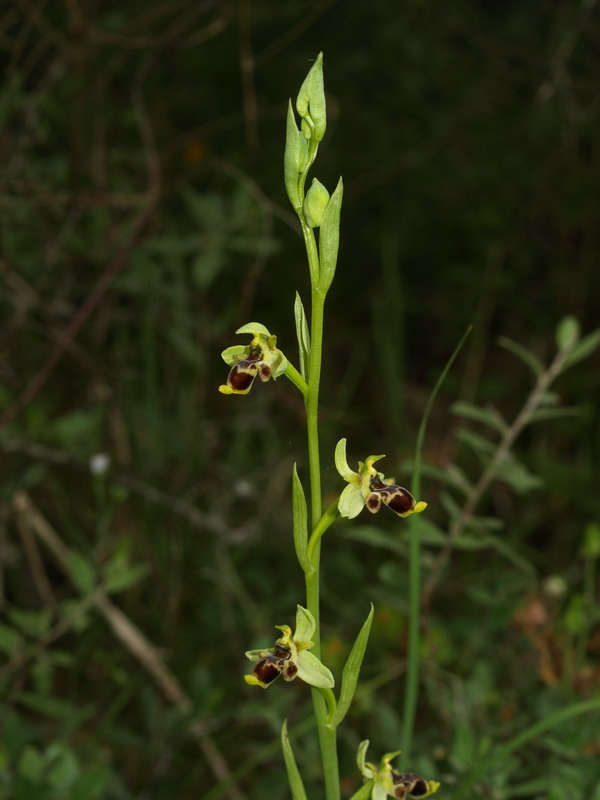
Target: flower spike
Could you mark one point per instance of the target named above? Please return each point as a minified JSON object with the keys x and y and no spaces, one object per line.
{"x":261,"y":357}
{"x":290,"y":657}
{"x":371,"y":488}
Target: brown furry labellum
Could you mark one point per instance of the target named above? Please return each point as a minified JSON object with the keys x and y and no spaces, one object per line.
{"x":408,"y":784}
{"x":270,"y":667}
{"x":397,"y":498}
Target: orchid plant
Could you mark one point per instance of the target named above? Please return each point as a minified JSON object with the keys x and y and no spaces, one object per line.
{"x":297,"y":655}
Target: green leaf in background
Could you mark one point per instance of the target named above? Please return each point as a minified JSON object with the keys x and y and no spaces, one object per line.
{"x":10,"y":641}
{"x":487,"y":416}
{"x":584,"y":348}
{"x":351,"y":670}
{"x":62,"y":768}
{"x":31,"y":764}
{"x":303,"y":336}
{"x":55,"y":708}
{"x":207,"y":265}
{"x":329,"y":238}
{"x":294,"y":777}
{"x":92,"y":783}
{"x":591,"y":541}
{"x":375,"y":537}
{"x":567,"y":333}
{"x":481,"y":446}
{"x":300,"y":518}
{"x":526,"y":356}
{"x":517,"y":476}
{"x":119,"y":578}
{"x":31,"y":623}
{"x":554,"y":413}
{"x":82,"y":572}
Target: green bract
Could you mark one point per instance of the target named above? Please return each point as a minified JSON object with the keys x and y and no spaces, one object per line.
{"x":290,"y":657}
{"x":310,"y":103}
{"x":317,"y":199}
{"x":295,"y":158}
{"x":261,"y":357}
{"x":371,"y":488}
{"x":329,"y":237}
{"x":388,"y":782}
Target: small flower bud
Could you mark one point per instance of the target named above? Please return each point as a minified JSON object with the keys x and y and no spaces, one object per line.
{"x":315,"y":203}
{"x":311,"y":102}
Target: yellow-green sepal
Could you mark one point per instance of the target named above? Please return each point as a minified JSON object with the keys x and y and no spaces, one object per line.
{"x":341,"y":463}
{"x":234,"y":354}
{"x":313,"y":672}
{"x":351,"y":501}
{"x":366,"y":770}
{"x":305,"y":625}
{"x":255,"y":328}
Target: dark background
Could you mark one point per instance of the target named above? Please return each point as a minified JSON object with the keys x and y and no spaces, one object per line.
{"x":143,"y":219}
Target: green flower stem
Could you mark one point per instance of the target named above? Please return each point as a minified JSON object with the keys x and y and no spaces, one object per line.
{"x":328,"y":518}
{"x":314,"y":461}
{"x":329,"y":698}
{"x":294,"y":376}
{"x":327,"y":734}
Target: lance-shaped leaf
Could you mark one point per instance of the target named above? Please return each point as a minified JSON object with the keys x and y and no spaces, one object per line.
{"x":293,"y":773}
{"x":300,"y":521}
{"x":352,"y":669}
{"x":303,"y":336}
{"x":329,"y":238}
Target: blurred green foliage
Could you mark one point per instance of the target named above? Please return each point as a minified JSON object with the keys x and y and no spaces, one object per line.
{"x":143,"y":218}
